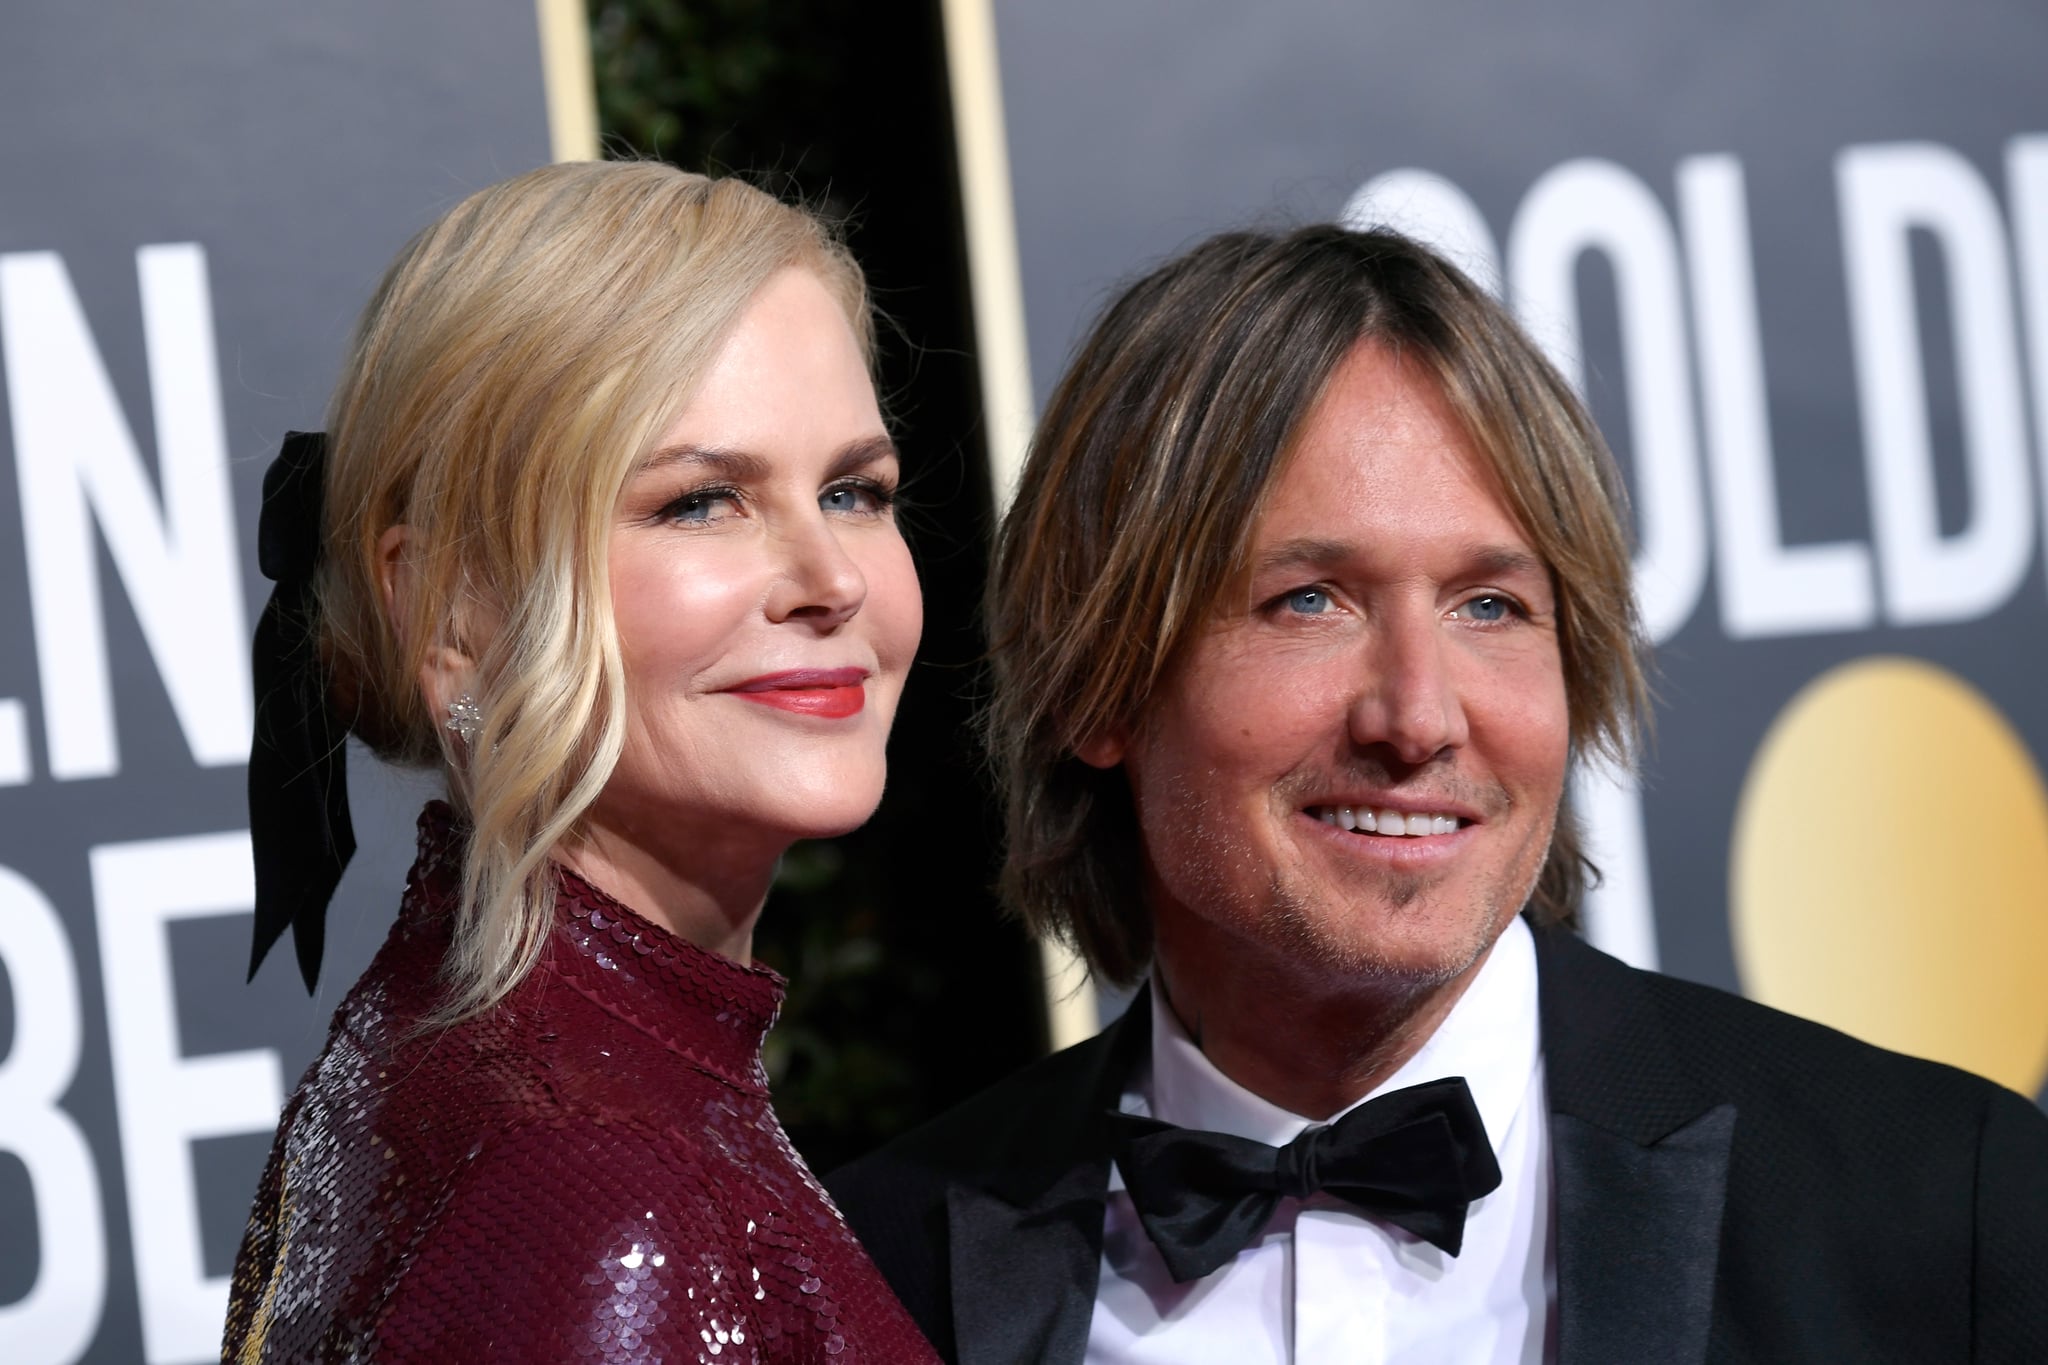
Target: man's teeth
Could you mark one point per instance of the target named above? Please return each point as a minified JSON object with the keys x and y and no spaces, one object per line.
{"x":1365,"y":820}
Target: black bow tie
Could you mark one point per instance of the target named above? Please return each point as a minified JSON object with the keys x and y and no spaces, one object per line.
{"x":1415,"y":1158}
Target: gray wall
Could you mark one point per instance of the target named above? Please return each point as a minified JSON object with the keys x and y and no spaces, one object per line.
{"x":1787,"y":250}
{"x":232,"y":177}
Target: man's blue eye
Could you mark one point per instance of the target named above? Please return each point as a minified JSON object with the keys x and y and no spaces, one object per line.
{"x":1487,"y":609}
{"x":1308,"y":601}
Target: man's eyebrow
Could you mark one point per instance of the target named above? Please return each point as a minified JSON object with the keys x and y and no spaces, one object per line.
{"x":1315,"y":552}
{"x":1311,"y":552}
{"x":1507,"y":561}
{"x":745,"y":466}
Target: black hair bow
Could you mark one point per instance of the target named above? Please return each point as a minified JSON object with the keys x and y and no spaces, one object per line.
{"x":299,"y":824}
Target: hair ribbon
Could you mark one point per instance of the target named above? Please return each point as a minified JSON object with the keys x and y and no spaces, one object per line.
{"x":299,"y":826}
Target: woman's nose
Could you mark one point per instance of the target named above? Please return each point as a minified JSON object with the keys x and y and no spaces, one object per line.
{"x":818,"y":581}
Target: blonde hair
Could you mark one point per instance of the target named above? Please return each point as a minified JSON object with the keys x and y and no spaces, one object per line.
{"x":1151,"y":463}
{"x":519,"y":358}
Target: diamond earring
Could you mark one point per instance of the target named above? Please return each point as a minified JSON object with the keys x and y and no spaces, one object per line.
{"x":465,"y":718}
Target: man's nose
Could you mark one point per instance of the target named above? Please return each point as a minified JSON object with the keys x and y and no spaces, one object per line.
{"x":818,"y":581}
{"x":1409,"y":699}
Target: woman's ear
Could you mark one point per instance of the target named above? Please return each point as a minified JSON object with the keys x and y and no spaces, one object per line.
{"x":394,"y":573}
{"x":446,"y":672}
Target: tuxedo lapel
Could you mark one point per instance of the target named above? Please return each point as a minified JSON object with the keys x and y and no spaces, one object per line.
{"x":1024,"y":1276}
{"x":1638,"y":1233}
{"x":1640,"y":1159}
{"x":1025,"y":1242}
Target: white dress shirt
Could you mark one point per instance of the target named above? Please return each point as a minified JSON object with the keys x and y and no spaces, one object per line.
{"x":1324,"y":1282}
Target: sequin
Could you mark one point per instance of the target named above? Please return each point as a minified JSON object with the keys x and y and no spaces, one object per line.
{"x":591,"y":1172}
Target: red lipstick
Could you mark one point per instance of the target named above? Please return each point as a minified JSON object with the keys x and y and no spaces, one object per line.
{"x":830,"y":693}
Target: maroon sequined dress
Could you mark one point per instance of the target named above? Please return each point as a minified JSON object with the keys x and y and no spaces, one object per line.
{"x":590,"y":1172}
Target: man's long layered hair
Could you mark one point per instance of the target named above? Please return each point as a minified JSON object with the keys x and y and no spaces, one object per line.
{"x":1149,"y":471}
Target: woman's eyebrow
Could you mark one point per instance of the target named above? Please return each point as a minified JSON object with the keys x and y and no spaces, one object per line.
{"x":738,"y":465}
{"x":860,"y":454}
{"x":743,"y":466}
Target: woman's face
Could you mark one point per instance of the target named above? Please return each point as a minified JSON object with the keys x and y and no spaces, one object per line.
{"x":767,"y":608}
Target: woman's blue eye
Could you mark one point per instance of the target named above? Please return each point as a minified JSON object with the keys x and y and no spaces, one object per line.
{"x":699,"y":506}
{"x":1308,"y":601}
{"x":859,"y":496}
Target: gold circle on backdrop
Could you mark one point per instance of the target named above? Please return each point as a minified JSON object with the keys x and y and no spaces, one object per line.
{"x":1889,"y":870}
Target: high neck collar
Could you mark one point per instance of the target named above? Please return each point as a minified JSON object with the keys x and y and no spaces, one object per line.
{"x":702,"y":1005}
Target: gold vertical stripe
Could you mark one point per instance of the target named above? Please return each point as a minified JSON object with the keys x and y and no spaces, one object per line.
{"x":997,"y":285}
{"x":993,"y":274}
{"x":1070,"y":1005}
{"x":565,"y":71}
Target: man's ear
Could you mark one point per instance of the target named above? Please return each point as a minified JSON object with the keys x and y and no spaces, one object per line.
{"x":1105,"y":749}
{"x":446,"y":672}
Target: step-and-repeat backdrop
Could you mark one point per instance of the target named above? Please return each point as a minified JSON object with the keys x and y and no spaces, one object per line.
{"x":1797,"y":257}
{"x":195,"y":200}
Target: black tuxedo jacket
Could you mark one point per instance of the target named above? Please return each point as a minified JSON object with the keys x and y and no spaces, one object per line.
{"x":1732,"y":1184}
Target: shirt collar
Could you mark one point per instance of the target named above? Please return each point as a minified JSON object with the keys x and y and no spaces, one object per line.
{"x":1491,"y":1037}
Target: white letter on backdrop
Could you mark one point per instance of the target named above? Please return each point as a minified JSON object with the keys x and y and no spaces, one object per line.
{"x":167,"y":1100}
{"x":2026,"y":173}
{"x":1432,"y":210}
{"x":1619,"y":913}
{"x":76,"y":460}
{"x":1597,"y":206}
{"x":1888,"y":191}
{"x":1767,"y":587}
{"x":61,"y":1314}
{"x":14,"y":769}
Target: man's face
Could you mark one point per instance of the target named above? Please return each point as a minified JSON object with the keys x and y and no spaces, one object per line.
{"x":1391,"y":661}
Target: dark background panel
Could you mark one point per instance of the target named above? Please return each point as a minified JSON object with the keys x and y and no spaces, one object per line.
{"x":908,"y":990}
